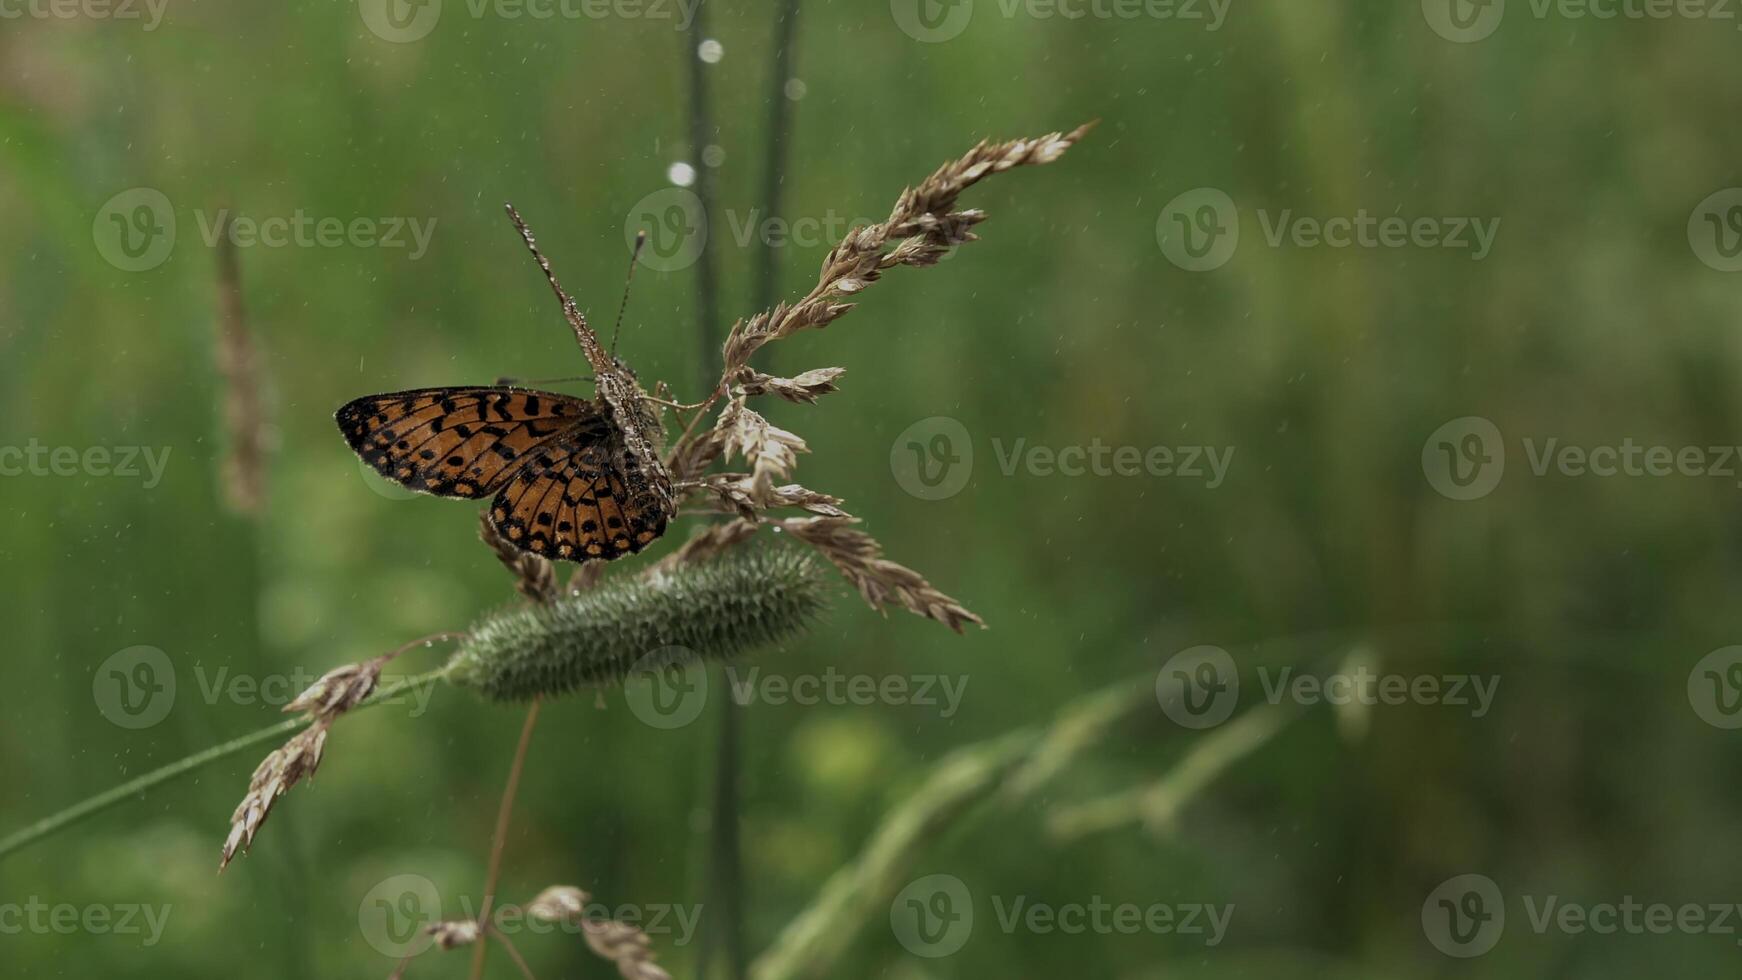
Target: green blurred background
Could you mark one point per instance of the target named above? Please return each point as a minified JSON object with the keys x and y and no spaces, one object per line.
{"x":1602,"y":770}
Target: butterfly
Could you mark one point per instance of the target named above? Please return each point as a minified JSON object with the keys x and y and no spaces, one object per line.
{"x":572,"y":479}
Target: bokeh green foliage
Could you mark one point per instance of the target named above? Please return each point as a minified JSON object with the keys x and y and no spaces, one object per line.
{"x":1326,"y":369}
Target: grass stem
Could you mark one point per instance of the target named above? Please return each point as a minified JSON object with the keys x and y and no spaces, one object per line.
{"x":133,"y":787}
{"x":499,"y":839}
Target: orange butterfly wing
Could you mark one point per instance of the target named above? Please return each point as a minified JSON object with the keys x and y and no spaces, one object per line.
{"x":571,"y":502}
{"x":462,"y":442}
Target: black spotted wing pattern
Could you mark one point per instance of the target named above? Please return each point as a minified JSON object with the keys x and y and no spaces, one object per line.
{"x":463,"y":442}
{"x":580,"y":499}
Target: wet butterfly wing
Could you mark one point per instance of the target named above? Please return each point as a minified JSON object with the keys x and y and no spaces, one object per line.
{"x":462,"y":442}
{"x":580,"y":500}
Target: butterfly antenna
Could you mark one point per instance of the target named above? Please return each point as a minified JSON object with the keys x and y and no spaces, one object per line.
{"x":571,"y":312}
{"x":532,"y":246}
{"x":634,"y":253}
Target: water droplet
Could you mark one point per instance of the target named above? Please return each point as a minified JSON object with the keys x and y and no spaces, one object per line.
{"x":713,"y":155}
{"x":796,"y":88}
{"x":681,"y":174}
{"x":711,"y":51}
